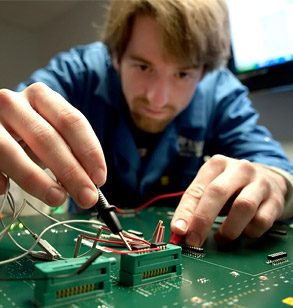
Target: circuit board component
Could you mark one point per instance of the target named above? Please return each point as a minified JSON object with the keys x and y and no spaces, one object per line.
{"x":145,"y":267}
{"x":193,"y":251}
{"x":277,"y":258}
{"x":94,"y":280}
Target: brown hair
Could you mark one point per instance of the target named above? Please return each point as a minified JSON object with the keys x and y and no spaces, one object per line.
{"x":195,"y":30}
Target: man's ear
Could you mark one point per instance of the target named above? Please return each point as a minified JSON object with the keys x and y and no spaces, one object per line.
{"x":115,"y":61}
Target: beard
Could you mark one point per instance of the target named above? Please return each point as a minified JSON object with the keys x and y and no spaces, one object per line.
{"x":147,"y":122}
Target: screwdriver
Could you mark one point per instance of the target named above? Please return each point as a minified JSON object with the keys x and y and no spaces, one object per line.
{"x":107,"y":213}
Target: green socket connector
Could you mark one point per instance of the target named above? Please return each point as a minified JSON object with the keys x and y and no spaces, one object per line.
{"x":96,"y":279}
{"x":146,"y":267}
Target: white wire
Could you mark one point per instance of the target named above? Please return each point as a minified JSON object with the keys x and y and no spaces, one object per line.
{"x":12,"y":205}
{"x":15,"y":214}
{"x":8,"y":233}
{"x":42,"y":233}
{"x":56,"y":220}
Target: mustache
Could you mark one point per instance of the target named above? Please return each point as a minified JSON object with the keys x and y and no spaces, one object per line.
{"x":142,"y":101}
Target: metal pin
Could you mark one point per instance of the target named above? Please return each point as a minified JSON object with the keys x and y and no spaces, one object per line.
{"x":77,"y":246}
{"x":99,"y":232}
{"x":124,"y":240}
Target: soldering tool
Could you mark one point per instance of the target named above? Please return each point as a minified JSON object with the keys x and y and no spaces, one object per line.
{"x":107,"y":213}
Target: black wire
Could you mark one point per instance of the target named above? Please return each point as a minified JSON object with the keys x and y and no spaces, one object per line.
{"x":83,"y":267}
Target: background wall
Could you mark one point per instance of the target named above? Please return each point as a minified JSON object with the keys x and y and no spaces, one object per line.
{"x":33,"y":31}
{"x":275,"y":107}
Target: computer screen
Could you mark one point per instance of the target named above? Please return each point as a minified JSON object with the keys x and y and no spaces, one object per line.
{"x":262,"y":41}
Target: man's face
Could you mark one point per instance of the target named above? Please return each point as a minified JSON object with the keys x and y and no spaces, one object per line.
{"x":156,"y":88}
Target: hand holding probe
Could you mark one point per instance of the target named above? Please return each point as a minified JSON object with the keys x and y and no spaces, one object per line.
{"x":107,"y":213}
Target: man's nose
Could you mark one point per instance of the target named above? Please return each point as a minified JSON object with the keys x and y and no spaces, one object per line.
{"x":158,"y":92}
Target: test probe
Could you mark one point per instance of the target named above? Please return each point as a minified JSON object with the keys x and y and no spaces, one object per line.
{"x":107,"y":213}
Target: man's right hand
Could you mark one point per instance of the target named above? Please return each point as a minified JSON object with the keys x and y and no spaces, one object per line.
{"x":38,"y":128}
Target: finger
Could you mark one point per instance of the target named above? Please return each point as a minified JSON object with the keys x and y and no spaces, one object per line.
{"x":50,"y":147}
{"x":242,"y":211}
{"x":32,"y":155}
{"x":3,"y":184}
{"x":73,"y":127}
{"x":30,"y":177}
{"x":185,"y":211}
{"x":236,"y":176}
{"x":268,"y":212}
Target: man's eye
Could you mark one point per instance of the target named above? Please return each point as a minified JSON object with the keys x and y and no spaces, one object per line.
{"x":142,"y":67}
{"x":183,"y":75}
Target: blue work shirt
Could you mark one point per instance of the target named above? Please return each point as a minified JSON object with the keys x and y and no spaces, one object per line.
{"x":218,"y":120}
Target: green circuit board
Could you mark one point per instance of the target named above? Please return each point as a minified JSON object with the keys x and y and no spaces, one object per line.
{"x":239,"y":275}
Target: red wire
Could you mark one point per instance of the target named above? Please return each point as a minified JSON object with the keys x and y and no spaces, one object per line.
{"x":158,"y":231}
{"x":118,"y":242}
{"x":127,"y":236}
{"x":132,"y":251}
{"x":105,"y":241}
{"x":162,"y":233}
{"x":176,"y":194}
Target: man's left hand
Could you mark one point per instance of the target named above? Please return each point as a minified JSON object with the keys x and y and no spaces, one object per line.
{"x":252,"y":196}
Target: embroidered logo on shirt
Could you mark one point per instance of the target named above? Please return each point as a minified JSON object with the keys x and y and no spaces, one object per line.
{"x":189,"y":147}
{"x":164,"y":180}
{"x":142,"y":152}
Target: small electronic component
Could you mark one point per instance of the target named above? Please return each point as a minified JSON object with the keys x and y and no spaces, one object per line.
{"x":193,"y":251}
{"x":140,"y":247}
{"x":196,"y":300}
{"x":162,"y":245}
{"x":288,"y":301}
{"x":145,"y":267}
{"x":277,"y":232}
{"x":203,"y":280}
{"x":55,"y":290}
{"x":277,"y":258}
{"x":235,"y":274}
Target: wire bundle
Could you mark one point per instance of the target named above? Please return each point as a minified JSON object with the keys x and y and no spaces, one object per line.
{"x":50,"y":253}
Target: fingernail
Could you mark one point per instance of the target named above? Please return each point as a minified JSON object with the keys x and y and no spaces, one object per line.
{"x":175,"y":238}
{"x":181,"y":225}
{"x":87,"y":197}
{"x":55,"y":196}
{"x":193,"y":239}
{"x":98,"y":176}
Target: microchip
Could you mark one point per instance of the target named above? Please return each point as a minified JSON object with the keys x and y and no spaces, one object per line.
{"x":140,"y":247}
{"x":277,"y":257}
{"x":162,"y":245}
{"x":193,"y":251}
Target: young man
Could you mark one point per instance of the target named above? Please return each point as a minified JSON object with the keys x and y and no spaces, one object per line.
{"x":160,"y":102}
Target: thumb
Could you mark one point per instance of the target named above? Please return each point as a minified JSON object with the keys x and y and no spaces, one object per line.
{"x":184,"y":213}
{"x":183,"y":216}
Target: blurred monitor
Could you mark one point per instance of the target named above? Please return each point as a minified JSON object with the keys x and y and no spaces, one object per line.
{"x":262,"y":42}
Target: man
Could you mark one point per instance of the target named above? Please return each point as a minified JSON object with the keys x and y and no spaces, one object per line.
{"x":160,"y":102}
